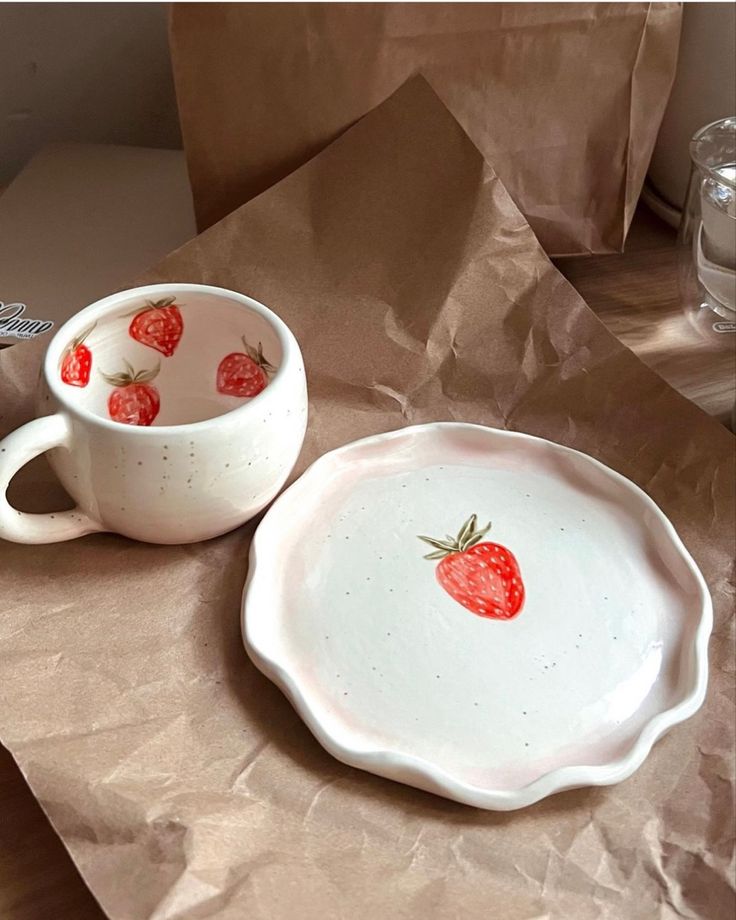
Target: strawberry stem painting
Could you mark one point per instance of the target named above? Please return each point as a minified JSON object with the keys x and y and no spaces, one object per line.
{"x":484,"y":577}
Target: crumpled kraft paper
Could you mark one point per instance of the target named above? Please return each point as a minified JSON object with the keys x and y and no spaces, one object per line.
{"x":180,"y":779}
{"x":565,"y":99}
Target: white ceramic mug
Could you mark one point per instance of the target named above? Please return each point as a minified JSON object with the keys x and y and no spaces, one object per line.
{"x":171,"y":413}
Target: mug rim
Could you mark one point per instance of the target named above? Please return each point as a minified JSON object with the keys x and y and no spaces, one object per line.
{"x":287,"y":340}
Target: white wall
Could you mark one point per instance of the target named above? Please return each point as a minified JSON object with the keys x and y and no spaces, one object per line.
{"x":94,"y":72}
{"x":704,"y":91}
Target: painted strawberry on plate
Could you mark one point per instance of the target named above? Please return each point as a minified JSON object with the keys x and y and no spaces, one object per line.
{"x":76,"y":365}
{"x":134,"y":401}
{"x":484,"y":577}
{"x":244,"y":373}
{"x":159,"y":326}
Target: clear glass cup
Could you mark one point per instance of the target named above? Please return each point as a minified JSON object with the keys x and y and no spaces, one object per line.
{"x":707,"y":235}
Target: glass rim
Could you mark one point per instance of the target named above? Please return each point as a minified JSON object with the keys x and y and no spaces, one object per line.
{"x":699,"y":162}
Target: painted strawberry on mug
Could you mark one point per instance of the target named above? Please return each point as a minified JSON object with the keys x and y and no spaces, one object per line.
{"x":159,"y":326}
{"x":76,"y":365}
{"x":133,"y":401}
{"x":483,"y":577}
{"x":243,"y":373}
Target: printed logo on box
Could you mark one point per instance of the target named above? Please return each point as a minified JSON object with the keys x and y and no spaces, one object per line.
{"x":14,"y":323}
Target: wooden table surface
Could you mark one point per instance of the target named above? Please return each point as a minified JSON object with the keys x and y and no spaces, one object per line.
{"x":635,"y":295}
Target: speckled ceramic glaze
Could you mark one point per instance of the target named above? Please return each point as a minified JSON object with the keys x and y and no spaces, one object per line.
{"x":171,"y":413}
{"x":491,"y":664}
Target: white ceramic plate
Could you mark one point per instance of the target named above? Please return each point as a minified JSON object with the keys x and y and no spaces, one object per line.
{"x":551,"y":654}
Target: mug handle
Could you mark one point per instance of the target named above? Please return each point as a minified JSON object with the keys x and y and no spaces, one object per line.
{"x":16,"y":450}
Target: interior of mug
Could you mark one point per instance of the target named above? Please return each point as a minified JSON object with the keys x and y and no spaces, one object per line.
{"x":171,"y":357}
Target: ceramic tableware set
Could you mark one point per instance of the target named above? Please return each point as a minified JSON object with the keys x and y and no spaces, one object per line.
{"x":480,"y":613}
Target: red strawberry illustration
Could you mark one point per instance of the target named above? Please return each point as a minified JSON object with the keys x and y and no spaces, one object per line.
{"x":76,"y":364}
{"x":159,"y":326}
{"x":243,"y":374}
{"x":133,"y":401}
{"x":483,"y":577}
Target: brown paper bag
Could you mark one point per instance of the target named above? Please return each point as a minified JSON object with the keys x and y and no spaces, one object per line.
{"x":565,"y":99}
{"x":180,"y":779}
